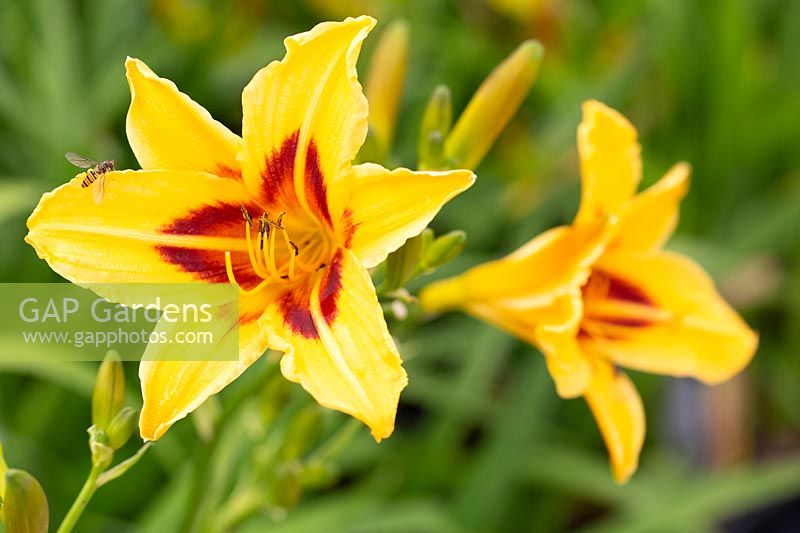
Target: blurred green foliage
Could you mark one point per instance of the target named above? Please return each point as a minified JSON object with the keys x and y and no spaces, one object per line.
{"x":482,"y":443}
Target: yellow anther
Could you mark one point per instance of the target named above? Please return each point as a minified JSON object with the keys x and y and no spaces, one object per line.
{"x":264,"y":259}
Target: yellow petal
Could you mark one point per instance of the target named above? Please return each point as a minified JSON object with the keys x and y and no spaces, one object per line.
{"x":552,"y":328}
{"x":703,"y":338}
{"x":305,"y":118}
{"x":152,"y":226}
{"x":566,"y":362}
{"x":337,"y":345}
{"x":384,"y":86}
{"x":618,"y":410}
{"x":553,"y":264}
{"x":610,"y":156}
{"x":167,"y":130}
{"x":648,"y":220}
{"x":173,"y":389}
{"x":534,"y":293}
{"x":388,"y":207}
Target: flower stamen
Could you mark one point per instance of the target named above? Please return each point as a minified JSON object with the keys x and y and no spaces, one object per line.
{"x":264,"y":257}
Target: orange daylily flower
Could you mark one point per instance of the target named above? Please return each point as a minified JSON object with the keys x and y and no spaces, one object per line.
{"x":279,"y":211}
{"x":602,"y":294}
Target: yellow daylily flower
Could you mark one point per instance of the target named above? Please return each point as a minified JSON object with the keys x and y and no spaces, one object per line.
{"x":280,"y":211}
{"x":602,"y":294}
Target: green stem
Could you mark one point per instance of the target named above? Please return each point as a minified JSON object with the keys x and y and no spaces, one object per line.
{"x":80,"y":503}
{"x":193,"y":517}
{"x":238,"y":508}
{"x":124,"y":466}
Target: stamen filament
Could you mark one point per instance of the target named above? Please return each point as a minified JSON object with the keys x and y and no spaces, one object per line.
{"x":265,"y":261}
{"x":273,"y":269}
{"x":251,"y":253}
{"x":232,"y":277}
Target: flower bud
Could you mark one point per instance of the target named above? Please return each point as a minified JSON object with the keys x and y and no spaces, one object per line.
{"x":303,"y":433}
{"x":436,"y":122}
{"x":206,"y":417}
{"x":24,"y":504}
{"x":121,"y":427}
{"x":384,"y":83}
{"x":402,"y":264}
{"x":275,"y":396}
{"x":284,"y":488}
{"x":493,"y":105}
{"x":109,"y":390}
{"x":318,"y":474}
{"x":427,"y":236}
{"x":444,"y":249}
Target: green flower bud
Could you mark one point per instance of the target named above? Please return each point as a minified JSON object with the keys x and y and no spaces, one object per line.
{"x":109,"y":390}
{"x":303,"y":433}
{"x":318,"y":474}
{"x":121,"y":427}
{"x":206,"y":417}
{"x":444,"y":249}
{"x":402,"y":264}
{"x":24,"y":504}
{"x":436,"y":122}
{"x":284,"y":488}
{"x":427,"y":236}
{"x":274,"y":398}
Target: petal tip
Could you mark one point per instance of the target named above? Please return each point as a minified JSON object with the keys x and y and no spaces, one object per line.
{"x":624,"y":472}
{"x":149,"y":429}
{"x":382,"y":431}
{"x":595,"y":112}
{"x":136,"y":68}
{"x":365,"y":20}
{"x":133,"y":64}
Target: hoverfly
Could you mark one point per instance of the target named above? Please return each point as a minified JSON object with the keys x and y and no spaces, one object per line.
{"x":95,"y":172}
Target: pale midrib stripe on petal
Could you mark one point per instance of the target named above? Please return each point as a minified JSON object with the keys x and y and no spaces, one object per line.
{"x":305,"y":137}
{"x":332,"y":349}
{"x":203,"y":242}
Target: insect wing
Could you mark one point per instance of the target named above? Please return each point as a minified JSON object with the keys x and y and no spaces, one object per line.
{"x":80,"y":161}
{"x":99,"y":189}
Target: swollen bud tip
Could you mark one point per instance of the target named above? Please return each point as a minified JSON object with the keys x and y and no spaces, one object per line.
{"x":436,"y":122}
{"x":121,"y":427}
{"x":384,"y":83}
{"x":493,"y":105}
{"x":444,"y":249}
